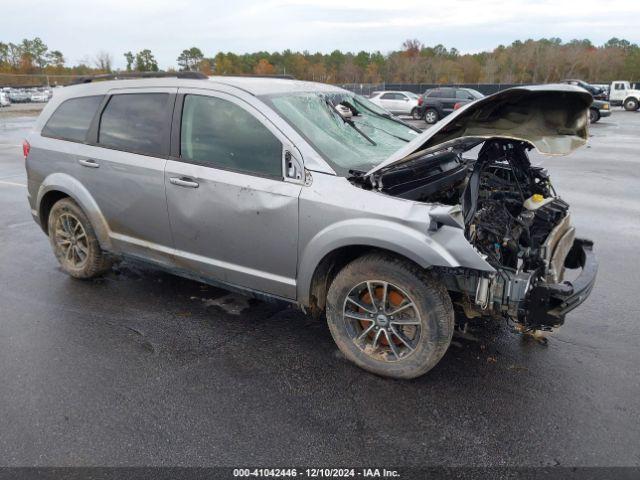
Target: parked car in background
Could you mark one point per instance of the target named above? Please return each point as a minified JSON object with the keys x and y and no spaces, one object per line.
{"x":397,"y":102}
{"x":388,"y":232}
{"x":596,"y":92}
{"x":437,"y":103}
{"x":19,"y":96}
{"x":621,"y":94}
{"x":599,"y":109}
{"x":39,"y":97}
{"x":4,"y":99}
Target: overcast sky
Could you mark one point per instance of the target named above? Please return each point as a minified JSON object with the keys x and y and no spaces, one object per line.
{"x":81,"y":28}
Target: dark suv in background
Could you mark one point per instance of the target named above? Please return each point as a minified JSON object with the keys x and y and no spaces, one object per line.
{"x":437,"y":103}
{"x":596,"y":92}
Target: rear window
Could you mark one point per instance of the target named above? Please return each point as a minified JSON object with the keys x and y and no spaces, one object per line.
{"x":439,"y":93}
{"x":136,"y":122}
{"x":72,"y":119}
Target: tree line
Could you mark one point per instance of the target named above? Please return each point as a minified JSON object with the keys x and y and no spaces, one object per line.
{"x":531,"y":61}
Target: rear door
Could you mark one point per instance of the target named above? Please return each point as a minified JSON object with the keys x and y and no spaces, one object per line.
{"x":123,"y":168}
{"x":389,"y":102}
{"x":233,"y":213}
{"x":448,"y":99}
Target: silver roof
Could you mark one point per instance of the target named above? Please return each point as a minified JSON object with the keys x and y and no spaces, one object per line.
{"x":253,"y":85}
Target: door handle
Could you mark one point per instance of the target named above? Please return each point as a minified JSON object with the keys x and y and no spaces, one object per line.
{"x":184,"y":182}
{"x":89,"y":163}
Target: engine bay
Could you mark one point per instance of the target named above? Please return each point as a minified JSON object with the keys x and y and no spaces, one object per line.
{"x":511,"y":212}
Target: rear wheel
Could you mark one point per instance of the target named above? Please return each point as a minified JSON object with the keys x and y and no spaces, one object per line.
{"x":415,"y":114}
{"x":594,"y":115}
{"x":431,"y":116}
{"x":389,"y":317}
{"x":74,"y":242}
{"x":631,"y":104}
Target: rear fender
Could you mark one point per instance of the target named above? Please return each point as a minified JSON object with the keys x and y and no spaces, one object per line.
{"x":61,"y":182}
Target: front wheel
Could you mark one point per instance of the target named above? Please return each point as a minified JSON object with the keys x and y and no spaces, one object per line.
{"x":389,"y":317}
{"x":631,"y":104}
{"x":594,"y":115}
{"x":74,"y":242}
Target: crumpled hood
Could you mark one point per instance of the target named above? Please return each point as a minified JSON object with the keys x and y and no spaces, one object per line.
{"x":552,"y":118}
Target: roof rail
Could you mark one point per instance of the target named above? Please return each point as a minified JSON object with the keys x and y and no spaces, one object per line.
{"x":126,"y":75}
{"x":257,"y":75}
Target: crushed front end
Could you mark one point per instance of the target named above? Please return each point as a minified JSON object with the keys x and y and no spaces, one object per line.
{"x":508,"y":208}
{"x":514,"y":219}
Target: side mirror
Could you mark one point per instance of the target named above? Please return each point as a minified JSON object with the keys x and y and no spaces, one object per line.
{"x":293,"y":167}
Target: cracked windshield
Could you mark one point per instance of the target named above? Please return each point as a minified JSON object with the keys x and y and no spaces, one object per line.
{"x":350,"y":132}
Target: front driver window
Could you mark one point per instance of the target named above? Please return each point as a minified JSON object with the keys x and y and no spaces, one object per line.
{"x":219,"y":133}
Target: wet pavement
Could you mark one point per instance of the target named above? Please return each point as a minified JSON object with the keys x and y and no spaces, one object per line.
{"x":144,"y":368}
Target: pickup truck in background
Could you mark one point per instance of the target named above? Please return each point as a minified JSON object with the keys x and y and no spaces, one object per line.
{"x":621,"y":94}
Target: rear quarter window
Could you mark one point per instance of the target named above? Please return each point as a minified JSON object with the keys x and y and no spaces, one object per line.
{"x":72,"y":118}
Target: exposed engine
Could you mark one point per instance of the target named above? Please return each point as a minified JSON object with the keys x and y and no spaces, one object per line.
{"x":511,"y":215}
{"x":515,"y":209}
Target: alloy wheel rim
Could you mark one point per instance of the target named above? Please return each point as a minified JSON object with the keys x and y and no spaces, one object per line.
{"x":431,"y":117}
{"x":382,"y":320}
{"x":71,"y":240}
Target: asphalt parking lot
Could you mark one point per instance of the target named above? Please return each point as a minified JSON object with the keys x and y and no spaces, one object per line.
{"x":144,"y":368}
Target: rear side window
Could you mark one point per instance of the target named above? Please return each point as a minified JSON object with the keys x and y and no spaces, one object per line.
{"x":72,"y":118}
{"x":136,"y":122}
{"x":219,"y":133}
{"x":464,"y":95}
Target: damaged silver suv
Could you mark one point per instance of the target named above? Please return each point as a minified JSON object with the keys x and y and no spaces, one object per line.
{"x":308,"y":193}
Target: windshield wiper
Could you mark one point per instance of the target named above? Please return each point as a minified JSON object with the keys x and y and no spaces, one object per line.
{"x":389,"y":117}
{"x":333,"y":108}
{"x":388,"y":133}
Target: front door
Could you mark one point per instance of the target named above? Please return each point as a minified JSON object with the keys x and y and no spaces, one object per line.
{"x":233,"y":215}
{"x":618,"y":92}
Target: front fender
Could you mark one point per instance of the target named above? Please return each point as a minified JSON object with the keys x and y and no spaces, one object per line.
{"x":62,"y":182}
{"x":445,"y":247}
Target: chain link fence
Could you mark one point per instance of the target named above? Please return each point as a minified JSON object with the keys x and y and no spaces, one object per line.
{"x":366,"y":89}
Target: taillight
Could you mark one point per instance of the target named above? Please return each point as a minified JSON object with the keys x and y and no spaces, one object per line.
{"x":25,"y":149}
{"x":420,"y":99}
{"x":457,"y":106}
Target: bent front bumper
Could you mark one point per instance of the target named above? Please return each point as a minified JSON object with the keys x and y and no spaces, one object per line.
{"x":548,"y":303}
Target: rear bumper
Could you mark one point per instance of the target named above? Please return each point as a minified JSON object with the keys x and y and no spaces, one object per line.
{"x":547,"y":304}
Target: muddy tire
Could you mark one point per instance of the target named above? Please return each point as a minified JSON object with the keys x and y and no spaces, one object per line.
{"x":74,"y":241}
{"x":631,"y":104}
{"x":431,"y":116}
{"x":390,"y":317}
